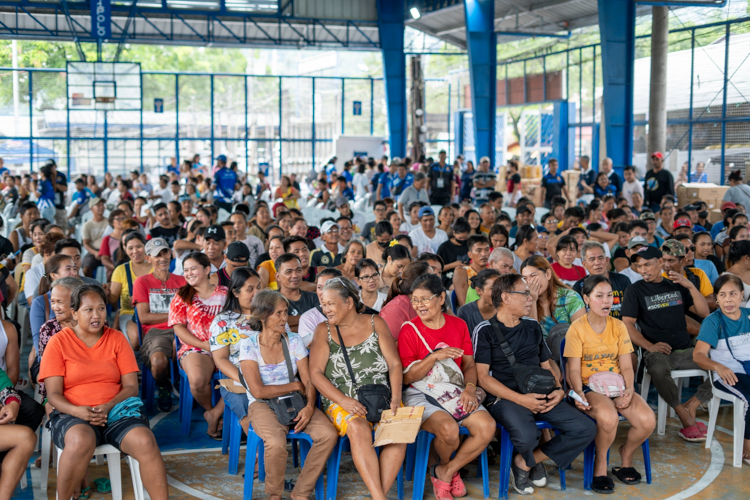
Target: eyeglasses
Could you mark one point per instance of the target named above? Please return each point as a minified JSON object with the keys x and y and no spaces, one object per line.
{"x":526,"y":292}
{"x":551,"y":221}
{"x":415,"y":301}
{"x":368,"y":278}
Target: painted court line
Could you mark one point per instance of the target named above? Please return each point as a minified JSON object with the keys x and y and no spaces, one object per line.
{"x":717,"y":463}
{"x":189,"y":490}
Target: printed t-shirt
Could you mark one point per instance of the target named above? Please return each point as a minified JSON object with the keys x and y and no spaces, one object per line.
{"x":568,"y":303}
{"x":525,"y":340}
{"x":271,"y":374}
{"x":718,"y":333}
{"x":396,"y":312}
{"x":225,"y":179}
{"x":158,"y":294}
{"x":196,"y":316}
{"x":229,"y":330}
{"x":660,"y":310}
{"x":698,"y":278}
{"x":170,"y":235}
{"x":91,"y":375}
{"x":120,"y":276}
{"x":554,"y":185}
{"x":568,"y":276}
{"x":426,"y":244}
{"x":322,"y":257}
{"x":94,"y":231}
{"x":454,"y":333}
{"x":307,"y":301}
{"x":599,"y":352}
{"x":619,"y":284}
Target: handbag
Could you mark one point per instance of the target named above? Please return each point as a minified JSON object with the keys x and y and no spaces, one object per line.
{"x":375,"y":397}
{"x":288,"y":406}
{"x":610,"y":384}
{"x":444,"y":383}
{"x":530,"y":379}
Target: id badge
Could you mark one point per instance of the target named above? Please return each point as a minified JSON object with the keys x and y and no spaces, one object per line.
{"x":440,"y":183}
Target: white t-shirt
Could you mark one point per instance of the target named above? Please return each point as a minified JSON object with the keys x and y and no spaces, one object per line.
{"x":378,"y":303}
{"x":628,"y":188}
{"x":425,"y":243}
{"x":407,"y":227}
{"x":632,"y":275}
{"x":309,"y":320}
{"x":166,"y":194}
{"x":272,"y":374}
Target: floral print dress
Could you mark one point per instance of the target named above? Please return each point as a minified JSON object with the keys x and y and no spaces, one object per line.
{"x":197,"y":317}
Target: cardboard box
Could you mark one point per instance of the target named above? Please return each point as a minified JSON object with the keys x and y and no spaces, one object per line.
{"x":715,"y":216}
{"x":703,"y":191}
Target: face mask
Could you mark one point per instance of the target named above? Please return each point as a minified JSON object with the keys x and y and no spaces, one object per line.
{"x":382,"y":244}
{"x":702,"y":215}
{"x":461,"y":242}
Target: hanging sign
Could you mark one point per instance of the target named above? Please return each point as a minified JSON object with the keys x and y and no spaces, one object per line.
{"x":101,"y":18}
{"x":357,"y":108}
{"x":158,"y":105}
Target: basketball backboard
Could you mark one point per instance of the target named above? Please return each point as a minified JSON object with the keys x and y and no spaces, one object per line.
{"x":108,"y":86}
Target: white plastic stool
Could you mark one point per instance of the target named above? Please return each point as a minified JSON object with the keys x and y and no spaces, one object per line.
{"x":113,"y":463}
{"x":739,"y":421}
{"x":662,"y":408}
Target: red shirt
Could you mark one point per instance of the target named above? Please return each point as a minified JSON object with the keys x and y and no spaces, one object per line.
{"x":454,"y":333}
{"x":567,"y":275}
{"x":158,"y":294}
{"x":395,"y":312}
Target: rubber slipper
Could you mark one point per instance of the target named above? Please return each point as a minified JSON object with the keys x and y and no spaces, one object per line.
{"x":603,"y":485}
{"x":441,"y":489}
{"x":626,"y":475}
{"x":103,"y":485}
{"x":702,"y":427}
{"x":692,"y":434}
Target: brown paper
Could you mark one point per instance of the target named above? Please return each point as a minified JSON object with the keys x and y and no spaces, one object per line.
{"x":228,"y":384}
{"x":400,"y":428}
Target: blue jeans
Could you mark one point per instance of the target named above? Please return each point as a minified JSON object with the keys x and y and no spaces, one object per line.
{"x":238,"y":403}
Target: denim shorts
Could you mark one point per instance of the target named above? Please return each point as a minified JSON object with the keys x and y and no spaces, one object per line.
{"x":112,"y":434}
{"x":238,"y":403}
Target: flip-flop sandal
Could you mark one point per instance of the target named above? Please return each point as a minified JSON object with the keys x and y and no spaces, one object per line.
{"x":103,"y":485}
{"x":83,"y":494}
{"x":603,"y":485}
{"x":626,"y":475}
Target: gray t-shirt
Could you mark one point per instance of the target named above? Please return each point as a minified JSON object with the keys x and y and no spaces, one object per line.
{"x":410,"y":195}
{"x":738,"y":194}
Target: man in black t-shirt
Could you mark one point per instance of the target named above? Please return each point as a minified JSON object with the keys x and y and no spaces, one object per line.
{"x":659,"y":306}
{"x":518,"y":412}
{"x":595,"y":261}
{"x":165,"y":229}
{"x":454,"y":252}
{"x":658,"y":183}
{"x":289,"y":276}
{"x":442,"y":183}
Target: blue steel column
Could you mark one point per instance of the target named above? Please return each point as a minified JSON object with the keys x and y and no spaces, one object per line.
{"x":176,"y":117}
{"x":617,"y":28}
{"x":391,"y":33}
{"x":313,"y":123}
{"x":724,"y":108}
{"x":482,"y":49}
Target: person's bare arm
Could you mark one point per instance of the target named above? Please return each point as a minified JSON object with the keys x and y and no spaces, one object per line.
{"x":306,"y":286}
{"x":12,"y":352}
{"x":180,"y":245}
{"x":700,"y":306}
{"x":188,"y":338}
{"x":264,"y":276}
{"x":552,"y":243}
{"x":114,"y":292}
{"x":544,"y":193}
{"x":638,"y":339}
{"x":107,"y":262}
{"x":259,"y":390}
{"x":392,"y":358}
{"x":146,"y":317}
{"x":89,"y":248}
{"x":318,"y":360}
{"x":701,"y":358}
{"x":610,"y":238}
{"x":293,"y":322}
{"x":461,"y":284}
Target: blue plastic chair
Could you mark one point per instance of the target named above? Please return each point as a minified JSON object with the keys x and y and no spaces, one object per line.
{"x":589,"y":453}
{"x":506,"y":455}
{"x":148,"y":383}
{"x":255,"y":446}
{"x":424,"y":440}
{"x":334,"y":461}
{"x":454,"y":301}
{"x":186,"y":397}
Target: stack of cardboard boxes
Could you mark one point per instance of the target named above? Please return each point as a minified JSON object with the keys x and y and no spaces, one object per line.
{"x":712,"y":194}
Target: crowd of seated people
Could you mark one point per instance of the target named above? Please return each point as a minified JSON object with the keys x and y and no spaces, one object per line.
{"x":205,"y":273}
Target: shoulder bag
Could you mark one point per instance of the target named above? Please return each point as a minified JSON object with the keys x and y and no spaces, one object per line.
{"x":530,"y":379}
{"x":288,"y":406}
{"x":375,"y":397}
{"x":745,"y":364}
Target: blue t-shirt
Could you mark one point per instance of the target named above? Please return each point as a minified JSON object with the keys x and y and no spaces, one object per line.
{"x":716,"y":229}
{"x":693,"y":177}
{"x":588,"y":177}
{"x":347,"y":176}
{"x":600,"y":192}
{"x":707,"y":267}
{"x":330,"y":169}
{"x":82,"y":197}
{"x":398,"y":184}
{"x":46,"y":194}
{"x":716,"y":333}
{"x":553,"y":184}
{"x":225,"y":180}
{"x":385,"y":181}
{"x":348,"y":193}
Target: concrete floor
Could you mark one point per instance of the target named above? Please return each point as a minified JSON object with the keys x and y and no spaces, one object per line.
{"x":680,"y":470}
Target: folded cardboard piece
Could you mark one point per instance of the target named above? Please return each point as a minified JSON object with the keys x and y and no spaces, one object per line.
{"x":231,"y":386}
{"x":402,"y":427}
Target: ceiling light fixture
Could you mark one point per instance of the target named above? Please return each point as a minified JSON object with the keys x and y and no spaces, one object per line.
{"x":415,"y":13}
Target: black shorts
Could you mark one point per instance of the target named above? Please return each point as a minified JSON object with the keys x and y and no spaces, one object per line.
{"x":112,"y":434}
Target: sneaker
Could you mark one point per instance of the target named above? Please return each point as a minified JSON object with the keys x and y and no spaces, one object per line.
{"x":164,"y":398}
{"x":538,"y":475}
{"x":519,"y":481}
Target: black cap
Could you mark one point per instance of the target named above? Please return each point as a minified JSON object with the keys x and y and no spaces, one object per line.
{"x":215,"y":233}
{"x":237,"y":251}
{"x":524,"y":208}
{"x":647,"y":253}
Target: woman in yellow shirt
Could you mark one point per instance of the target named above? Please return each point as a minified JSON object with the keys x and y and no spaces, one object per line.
{"x":596,"y":343}
{"x":287,"y":192}
{"x":267,"y":269}
{"x":121,"y":289}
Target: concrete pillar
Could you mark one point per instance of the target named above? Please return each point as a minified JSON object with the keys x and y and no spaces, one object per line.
{"x":657,"y":108}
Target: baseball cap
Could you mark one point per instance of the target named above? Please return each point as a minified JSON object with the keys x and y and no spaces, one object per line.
{"x":154,"y":246}
{"x":237,"y":251}
{"x":341,"y":201}
{"x":682,"y":223}
{"x":95,"y":201}
{"x":690,"y":208}
{"x":637,"y":240}
{"x":185,"y":197}
{"x":727,"y":205}
{"x":484,"y":159}
{"x":426,"y":211}
{"x":647,"y":253}
{"x":524,"y":208}
{"x":646,"y":215}
{"x":221,"y":158}
{"x":327,"y":226}
{"x":215,"y":233}
{"x":657,"y":154}
{"x":674,"y":247}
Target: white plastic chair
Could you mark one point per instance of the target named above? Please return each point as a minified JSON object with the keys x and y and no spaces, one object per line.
{"x":678,"y":376}
{"x":739,"y":420}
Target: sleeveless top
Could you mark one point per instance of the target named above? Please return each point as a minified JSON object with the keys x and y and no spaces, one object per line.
{"x":368,"y":363}
{"x":288,"y":202}
{"x":23,"y":240}
{"x":223,"y":278}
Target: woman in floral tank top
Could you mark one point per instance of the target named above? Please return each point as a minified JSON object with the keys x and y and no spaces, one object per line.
{"x":191,"y":312}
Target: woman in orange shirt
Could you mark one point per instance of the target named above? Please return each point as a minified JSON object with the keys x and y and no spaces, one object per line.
{"x":89,"y":370}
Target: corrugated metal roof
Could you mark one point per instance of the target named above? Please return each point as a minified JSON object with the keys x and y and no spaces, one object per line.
{"x":525,"y":16}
